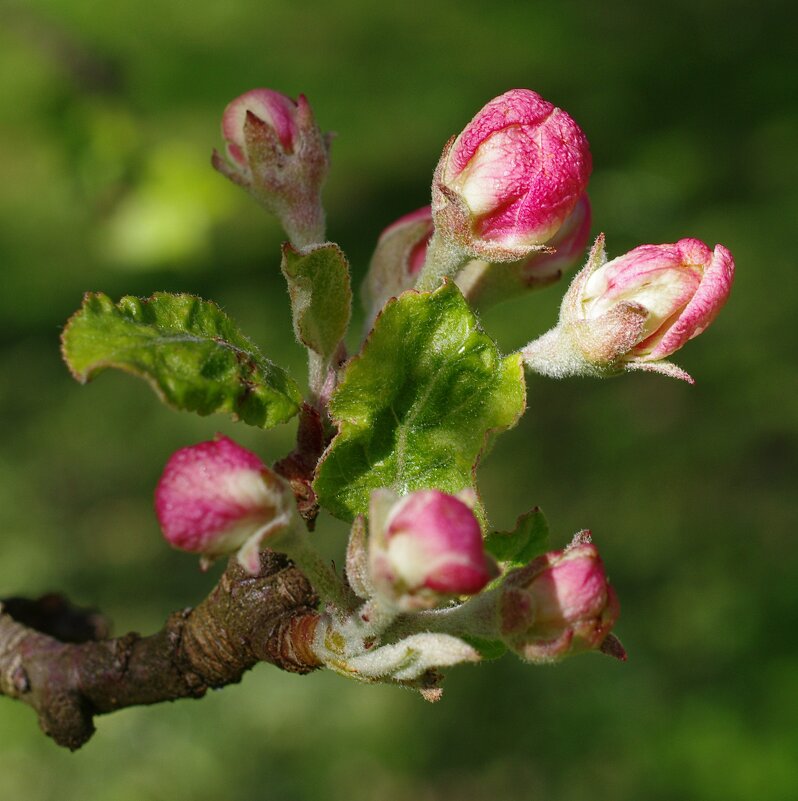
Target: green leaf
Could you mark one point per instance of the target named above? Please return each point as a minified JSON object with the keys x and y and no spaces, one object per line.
{"x":188,"y":349}
{"x":529,"y":538}
{"x":416,"y":408}
{"x":487,"y":649}
{"x":321,"y":296}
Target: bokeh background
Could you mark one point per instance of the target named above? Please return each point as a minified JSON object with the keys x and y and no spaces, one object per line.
{"x":108,"y":112}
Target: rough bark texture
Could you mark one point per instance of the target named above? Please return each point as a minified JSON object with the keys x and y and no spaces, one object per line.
{"x":56,"y":658}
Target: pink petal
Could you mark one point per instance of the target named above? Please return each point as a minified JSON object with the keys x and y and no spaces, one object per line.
{"x":709,"y":298}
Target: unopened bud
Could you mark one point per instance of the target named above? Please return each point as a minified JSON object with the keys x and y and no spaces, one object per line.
{"x":398,"y":258}
{"x":634,"y":311}
{"x":484,"y":284}
{"x":425,"y":548}
{"x":559,"y":604}
{"x":506,"y":184}
{"x":277,"y":152}
{"x":216,"y":498}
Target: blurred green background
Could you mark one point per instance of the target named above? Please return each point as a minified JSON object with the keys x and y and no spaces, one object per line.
{"x":108,"y":112}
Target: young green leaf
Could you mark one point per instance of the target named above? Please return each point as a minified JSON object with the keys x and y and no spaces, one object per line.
{"x":187,"y":349}
{"x":416,"y":408}
{"x":487,"y":649}
{"x":529,"y":538}
{"x":321,"y":296}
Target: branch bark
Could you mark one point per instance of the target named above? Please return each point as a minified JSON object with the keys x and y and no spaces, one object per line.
{"x":56,"y":659}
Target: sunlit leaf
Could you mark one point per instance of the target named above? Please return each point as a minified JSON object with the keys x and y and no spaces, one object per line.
{"x":529,"y":538}
{"x":417,"y":407}
{"x":187,"y":349}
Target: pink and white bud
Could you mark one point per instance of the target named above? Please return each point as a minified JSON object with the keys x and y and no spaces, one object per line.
{"x":636,"y":310}
{"x":277,"y":152}
{"x":559,"y":604}
{"x":506,"y":184}
{"x":398,"y":259}
{"x":425,"y":548}
{"x":565,"y":249}
{"x":216,"y":498}
{"x":484,"y":284}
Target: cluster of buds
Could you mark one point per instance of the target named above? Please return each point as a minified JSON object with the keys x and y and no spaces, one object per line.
{"x":509,"y":212}
{"x":633,"y":312}
{"x":426,"y":550}
{"x":277,"y":152}
{"x":430,"y":588}
{"x":509,"y":208}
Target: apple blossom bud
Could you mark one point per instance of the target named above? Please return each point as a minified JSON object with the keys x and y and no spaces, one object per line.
{"x":559,"y":604}
{"x":277,"y":152}
{"x":397,"y":260}
{"x":484,"y":284}
{"x":656,"y":297}
{"x":506,"y":184}
{"x":216,"y":497}
{"x":426,"y":547}
{"x":632,"y":312}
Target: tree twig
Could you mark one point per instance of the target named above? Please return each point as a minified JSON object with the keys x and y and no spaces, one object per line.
{"x":54,"y":658}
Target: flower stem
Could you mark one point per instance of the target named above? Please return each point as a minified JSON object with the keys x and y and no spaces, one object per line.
{"x":325,"y":581}
{"x":304,"y":223}
{"x":553,"y":354}
{"x":444,"y":259}
{"x":477,"y":617}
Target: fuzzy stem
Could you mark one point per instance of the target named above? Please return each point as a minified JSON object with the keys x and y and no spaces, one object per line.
{"x":323,"y":377}
{"x":325,"y":581}
{"x":554,"y":355}
{"x":444,"y":259}
{"x":374,"y":617}
{"x":304,"y":224}
{"x":476,"y":616}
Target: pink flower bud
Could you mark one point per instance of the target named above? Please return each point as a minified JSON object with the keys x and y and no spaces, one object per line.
{"x":414,"y":230}
{"x":567,"y":247}
{"x":398,"y":259}
{"x":507,"y":183}
{"x":217,"y":497}
{"x":640,"y":308}
{"x":426,"y":547}
{"x":269,"y":108}
{"x":278,"y":153}
{"x":559,"y":604}
{"x":483,"y":284}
